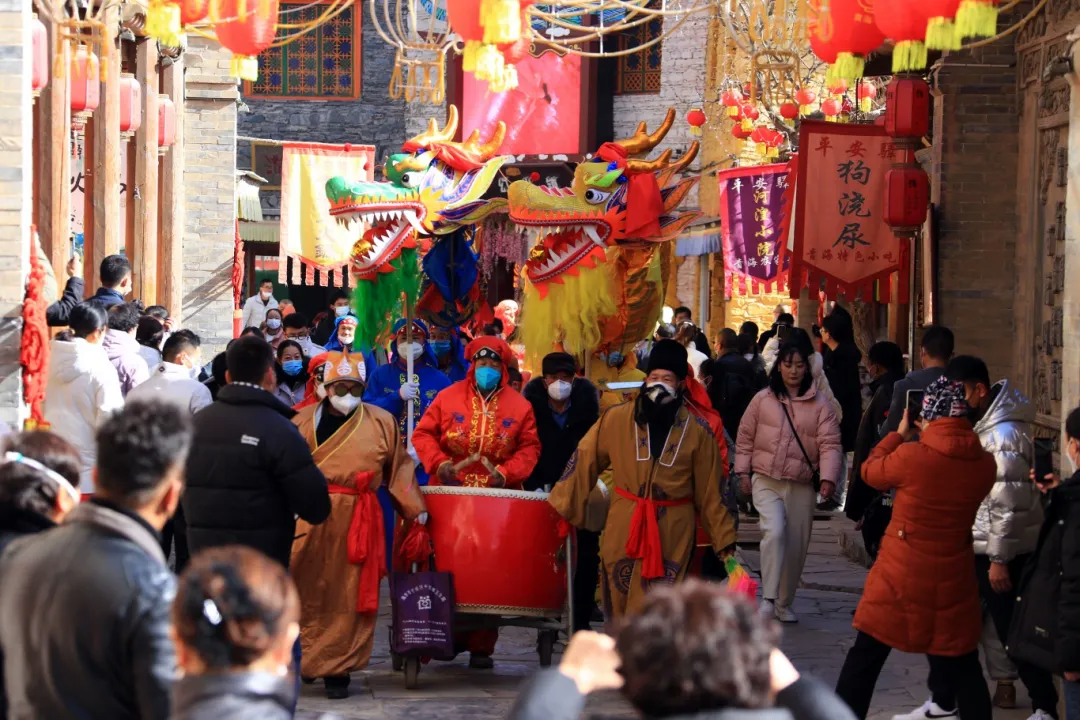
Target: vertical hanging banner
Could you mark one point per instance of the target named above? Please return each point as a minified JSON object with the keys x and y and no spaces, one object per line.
{"x":309,"y":236}
{"x":840,"y":230}
{"x":754,"y":217}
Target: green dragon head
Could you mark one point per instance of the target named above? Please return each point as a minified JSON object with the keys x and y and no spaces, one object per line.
{"x":433,"y":187}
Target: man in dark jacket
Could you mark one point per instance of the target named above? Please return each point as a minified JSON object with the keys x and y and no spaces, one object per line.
{"x":841,"y":366}
{"x":935,"y":351}
{"x":338,"y":307}
{"x":116,"y":282}
{"x":566,"y":406}
{"x":732,"y":382}
{"x":250,"y":472}
{"x":864,"y":504}
{"x":701,"y":342}
{"x":84,"y":608}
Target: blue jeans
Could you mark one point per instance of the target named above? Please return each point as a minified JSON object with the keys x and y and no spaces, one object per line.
{"x":296,"y":652}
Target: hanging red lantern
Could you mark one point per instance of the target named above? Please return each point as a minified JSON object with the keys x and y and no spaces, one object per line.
{"x":85,"y":86}
{"x":831,"y":107}
{"x":696,"y":119}
{"x":39,"y":71}
{"x":940,"y":23}
{"x":843,"y":33}
{"x":806,"y":98}
{"x":977,"y":18}
{"x":907,"y":198}
{"x":907,"y":107}
{"x":246,"y":32}
{"x":740,"y":132}
{"x":732,"y":99}
{"x":838,"y":86}
{"x":865,"y":92}
{"x":480,"y":57}
{"x":774,"y":140}
{"x":130,"y":105}
{"x":905,"y":24}
{"x":166,"y":134}
{"x":789,"y":110}
{"x":192,"y":11}
{"x":749,"y":115}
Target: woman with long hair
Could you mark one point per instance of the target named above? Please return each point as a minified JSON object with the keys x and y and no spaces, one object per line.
{"x":787,"y":451}
{"x":292,"y":374}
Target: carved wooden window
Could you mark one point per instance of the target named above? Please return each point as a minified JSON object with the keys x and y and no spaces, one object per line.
{"x":639,"y":72}
{"x":324,"y":64}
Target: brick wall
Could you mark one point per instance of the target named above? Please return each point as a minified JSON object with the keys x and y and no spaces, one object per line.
{"x":977,"y":242}
{"x":210,"y":193}
{"x":15,"y":197}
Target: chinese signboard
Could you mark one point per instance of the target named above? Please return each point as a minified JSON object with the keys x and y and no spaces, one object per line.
{"x":754,"y":212}
{"x":840,"y":231}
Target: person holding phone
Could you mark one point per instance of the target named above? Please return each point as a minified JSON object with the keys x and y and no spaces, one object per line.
{"x":935,"y":351}
{"x":1046,"y":622}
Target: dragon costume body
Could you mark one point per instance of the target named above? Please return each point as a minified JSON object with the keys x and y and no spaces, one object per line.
{"x":424,"y":214}
{"x":595,"y":274}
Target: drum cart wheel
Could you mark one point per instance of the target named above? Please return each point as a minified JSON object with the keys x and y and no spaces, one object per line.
{"x":412,"y":672}
{"x":546,"y":646}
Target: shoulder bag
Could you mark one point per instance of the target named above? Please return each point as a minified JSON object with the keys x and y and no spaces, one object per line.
{"x":815,"y":476}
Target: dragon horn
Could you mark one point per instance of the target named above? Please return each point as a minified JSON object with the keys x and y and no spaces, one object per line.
{"x":642,"y":141}
{"x":488,"y":149}
{"x":434,"y":135}
{"x":687,"y":158}
{"x":450,"y":130}
{"x":659,"y":163}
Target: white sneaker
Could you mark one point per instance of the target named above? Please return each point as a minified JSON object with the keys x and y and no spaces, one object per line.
{"x":785,"y":615}
{"x":928,"y":710}
{"x":1041,"y":715}
{"x":767,"y":609}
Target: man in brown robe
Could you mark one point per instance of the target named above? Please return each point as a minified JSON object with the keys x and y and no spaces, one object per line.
{"x":338,"y":565}
{"x":665,"y":466}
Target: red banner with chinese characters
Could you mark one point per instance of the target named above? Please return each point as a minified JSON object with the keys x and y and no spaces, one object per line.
{"x":755,"y":207}
{"x":840,"y":230}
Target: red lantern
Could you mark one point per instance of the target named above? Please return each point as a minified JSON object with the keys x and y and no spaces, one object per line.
{"x":192,"y":11}
{"x":39,"y":72}
{"x":845,"y":36}
{"x":695,"y":118}
{"x":166,"y":134}
{"x":246,"y":32}
{"x":750,"y":112}
{"x":907,"y":197}
{"x":805,"y":96}
{"x":865,"y":92}
{"x":479,"y":57}
{"x":941,"y":25}
{"x":85,"y":86}
{"x":977,"y":18}
{"x":907,"y":107}
{"x":130,"y":105}
{"x":905,"y":24}
{"x":789,"y":110}
{"x":838,"y":86}
{"x":740,"y":132}
{"x":732,"y":99}
{"x":831,"y":107}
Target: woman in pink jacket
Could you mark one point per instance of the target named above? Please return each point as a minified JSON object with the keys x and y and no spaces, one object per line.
{"x":771,"y":464}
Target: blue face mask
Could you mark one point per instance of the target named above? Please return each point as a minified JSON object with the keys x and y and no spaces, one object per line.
{"x":441,"y":348}
{"x":487,"y":379}
{"x":292,"y":367}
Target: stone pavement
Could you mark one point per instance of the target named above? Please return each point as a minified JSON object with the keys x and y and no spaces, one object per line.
{"x":816,"y":645}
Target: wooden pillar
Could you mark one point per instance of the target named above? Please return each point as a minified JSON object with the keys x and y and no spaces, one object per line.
{"x":107,"y":227}
{"x":92,"y":256}
{"x":145,"y":194}
{"x":53,"y":164}
{"x":170,"y":293}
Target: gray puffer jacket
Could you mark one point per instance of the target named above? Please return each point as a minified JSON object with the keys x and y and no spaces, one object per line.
{"x":1009,"y":518}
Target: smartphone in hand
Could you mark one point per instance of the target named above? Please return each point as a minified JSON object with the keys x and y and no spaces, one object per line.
{"x":1044,"y":459}
{"x":783,"y":332}
{"x":914,"y":404}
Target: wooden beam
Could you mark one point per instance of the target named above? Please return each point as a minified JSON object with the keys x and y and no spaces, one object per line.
{"x":53,"y":163}
{"x":92,"y":254}
{"x":107,"y":221}
{"x":145,"y":194}
{"x":171,"y":289}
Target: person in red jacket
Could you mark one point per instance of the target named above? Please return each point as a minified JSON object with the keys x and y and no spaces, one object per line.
{"x":478,"y":432}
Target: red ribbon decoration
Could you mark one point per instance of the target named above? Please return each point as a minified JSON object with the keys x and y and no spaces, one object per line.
{"x":366,"y":541}
{"x":643,"y":542}
{"x":644,"y":203}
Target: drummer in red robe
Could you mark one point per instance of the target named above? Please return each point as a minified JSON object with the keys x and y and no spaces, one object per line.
{"x":480,"y":433}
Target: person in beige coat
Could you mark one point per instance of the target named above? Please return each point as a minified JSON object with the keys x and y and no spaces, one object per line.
{"x":773,"y":467}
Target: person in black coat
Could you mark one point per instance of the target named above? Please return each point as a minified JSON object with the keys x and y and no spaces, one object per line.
{"x":864,"y":504}
{"x":841,"y":366}
{"x":250,"y":473}
{"x":566,"y":406}
{"x":84,"y":607}
{"x":1045,"y":629}
{"x":732,"y":382}
{"x":116,"y":283}
{"x":694,"y":651}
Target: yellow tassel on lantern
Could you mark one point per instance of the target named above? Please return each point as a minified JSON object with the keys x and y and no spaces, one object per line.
{"x":774,"y":152}
{"x":866,"y":104}
{"x":976,"y":18}
{"x":468,"y":60}
{"x":244,"y":67}
{"x":805,"y":110}
{"x":489,"y":63}
{"x":733,"y":111}
{"x":908,"y":55}
{"x":747,"y":125}
{"x":761,"y":149}
{"x":847,"y":67}
{"x":508,"y":80}
{"x":163,"y":23}
{"x":501,"y":20}
{"x":696,"y":130}
{"x":941,"y":34}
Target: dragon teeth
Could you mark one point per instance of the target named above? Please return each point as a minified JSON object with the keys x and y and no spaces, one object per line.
{"x":590,"y":230}
{"x":410,"y":216}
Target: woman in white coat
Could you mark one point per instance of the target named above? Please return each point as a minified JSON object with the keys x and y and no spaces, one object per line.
{"x":83,"y":386}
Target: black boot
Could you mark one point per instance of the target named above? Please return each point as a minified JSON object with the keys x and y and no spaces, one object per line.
{"x":337,"y":687}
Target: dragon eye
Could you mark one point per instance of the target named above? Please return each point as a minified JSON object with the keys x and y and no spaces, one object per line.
{"x":596,"y":196}
{"x":411,"y":179}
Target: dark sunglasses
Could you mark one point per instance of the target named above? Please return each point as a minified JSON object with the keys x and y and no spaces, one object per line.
{"x":343,"y":389}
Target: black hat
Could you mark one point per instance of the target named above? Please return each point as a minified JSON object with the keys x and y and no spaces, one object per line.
{"x":557,"y":362}
{"x":669,"y":355}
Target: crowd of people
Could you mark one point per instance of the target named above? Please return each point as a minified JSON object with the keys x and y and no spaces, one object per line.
{"x":223,"y":526}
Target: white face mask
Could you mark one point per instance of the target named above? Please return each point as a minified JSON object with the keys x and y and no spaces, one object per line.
{"x":273,"y":323}
{"x":559,"y":390}
{"x":320,"y":390}
{"x":341,"y":310}
{"x":345,"y":404}
{"x":413,"y":349}
{"x":660,"y":393}
{"x":265,"y":294}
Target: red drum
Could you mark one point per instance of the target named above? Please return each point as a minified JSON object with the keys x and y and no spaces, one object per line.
{"x":503,"y":548}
